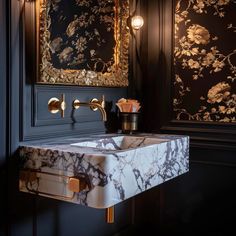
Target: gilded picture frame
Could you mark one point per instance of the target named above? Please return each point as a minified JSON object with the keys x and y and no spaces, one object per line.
{"x":82,"y":42}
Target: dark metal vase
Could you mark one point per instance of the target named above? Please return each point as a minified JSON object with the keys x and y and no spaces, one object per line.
{"x":129,"y":122}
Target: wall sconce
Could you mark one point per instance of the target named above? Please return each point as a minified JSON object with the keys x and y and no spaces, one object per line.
{"x":137,"y":22}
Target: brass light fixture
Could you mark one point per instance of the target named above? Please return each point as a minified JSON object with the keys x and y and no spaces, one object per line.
{"x":135,"y":20}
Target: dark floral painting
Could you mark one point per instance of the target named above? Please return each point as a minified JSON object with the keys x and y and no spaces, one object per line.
{"x":84,"y":42}
{"x":205,"y":60}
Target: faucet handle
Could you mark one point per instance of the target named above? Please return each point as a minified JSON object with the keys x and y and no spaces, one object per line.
{"x":55,"y":105}
{"x":63,"y":105}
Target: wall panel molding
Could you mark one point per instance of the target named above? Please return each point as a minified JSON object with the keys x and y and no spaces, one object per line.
{"x":221,"y":164}
{"x":43,"y":93}
{"x":40,"y":123}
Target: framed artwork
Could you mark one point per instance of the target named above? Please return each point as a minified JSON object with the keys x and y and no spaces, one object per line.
{"x":82,"y":42}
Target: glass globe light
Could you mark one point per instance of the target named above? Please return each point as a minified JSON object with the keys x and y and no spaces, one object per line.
{"x":137,"y":22}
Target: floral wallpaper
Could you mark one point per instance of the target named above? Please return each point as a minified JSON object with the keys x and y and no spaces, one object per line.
{"x":205,"y":60}
{"x":82,"y":34}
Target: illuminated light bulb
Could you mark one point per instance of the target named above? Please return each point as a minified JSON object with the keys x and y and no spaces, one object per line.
{"x":137,"y":22}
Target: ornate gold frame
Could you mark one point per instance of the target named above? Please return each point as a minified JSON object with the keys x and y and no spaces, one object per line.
{"x":117,"y":77}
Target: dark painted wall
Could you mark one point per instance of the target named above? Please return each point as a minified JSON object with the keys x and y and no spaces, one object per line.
{"x":177,"y":206}
{"x":3,"y":92}
{"x":203,"y":201}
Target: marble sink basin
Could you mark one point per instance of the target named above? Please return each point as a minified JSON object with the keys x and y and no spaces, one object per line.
{"x":115,"y":167}
{"x":120,"y":142}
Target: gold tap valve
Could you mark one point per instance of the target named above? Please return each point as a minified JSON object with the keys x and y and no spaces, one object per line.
{"x":55,"y":105}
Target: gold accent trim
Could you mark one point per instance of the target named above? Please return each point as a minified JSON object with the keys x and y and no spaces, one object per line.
{"x":110,"y":215}
{"x":74,"y":185}
{"x":117,"y":77}
{"x":94,"y":100}
{"x":76,"y":104}
{"x":55,"y":105}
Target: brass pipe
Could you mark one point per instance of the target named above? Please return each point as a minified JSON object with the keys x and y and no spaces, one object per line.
{"x":110,"y":212}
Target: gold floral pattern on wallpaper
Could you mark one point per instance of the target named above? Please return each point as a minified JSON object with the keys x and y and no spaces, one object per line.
{"x":205,"y":60}
{"x":83,"y":44}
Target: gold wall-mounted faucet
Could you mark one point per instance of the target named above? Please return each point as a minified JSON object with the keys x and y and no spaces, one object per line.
{"x":94,"y":104}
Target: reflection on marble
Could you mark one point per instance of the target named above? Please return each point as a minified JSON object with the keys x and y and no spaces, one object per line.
{"x":115,"y":167}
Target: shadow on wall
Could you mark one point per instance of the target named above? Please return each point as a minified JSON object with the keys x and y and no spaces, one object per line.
{"x":112,"y":124}
{"x":154,"y":89}
{"x":3,"y":198}
{"x":202,"y":202}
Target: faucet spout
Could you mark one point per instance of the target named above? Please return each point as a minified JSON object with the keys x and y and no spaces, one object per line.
{"x":94,"y":104}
